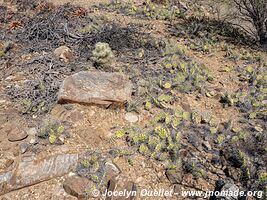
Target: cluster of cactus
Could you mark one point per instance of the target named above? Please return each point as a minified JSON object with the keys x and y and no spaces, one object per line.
{"x":201,"y":46}
{"x":178,"y":74}
{"x":178,"y":116}
{"x":162,"y":100}
{"x":242,"y":54}
{"x":174,"y":49}
{"x":160,"y":142}
{"x":185,"y":76}
{"x":102,"y":54}
{"x":148,"y":9}
{"x":53,"y":131}
{"x":228,"y":99}
{"x":232,"y":54}
{"x":161,"y":139}
{"x":166,"y":12}
{"x":195,"y":168}
{"x":252,"y":101}
{"x":122,"y":152}
{"x":92,"y":166}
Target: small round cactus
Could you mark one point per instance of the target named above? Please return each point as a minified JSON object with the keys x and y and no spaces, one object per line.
{"x":102,"y":54}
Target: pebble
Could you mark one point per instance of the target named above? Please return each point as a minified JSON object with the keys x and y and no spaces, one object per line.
{"x":24,"y":147}
{"x":131,"y":117}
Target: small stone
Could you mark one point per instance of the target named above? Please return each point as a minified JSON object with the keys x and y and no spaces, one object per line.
{"x":186,"y":106}
{"x":32,"y":131}
{"x":2,"y":101}
{"x":174,"y":176}
{"x":24,"y":147}
{"x":131,"y":117}
{"x":182,"y":6}
{"x":230,"y":188}
{"x":111,"y":170}
{"x":33,"y":140}
{"x":64,"y":53}
{"x":77,"y":186}
{"x":139,"y":179}
{"x":16,"y":134}
{"x":206,"y":145}
{"x":121,"y":183}
{"x":203,"y":185}
{"x":161,"y":176}
{"x":60,"y":194}
{"x":15,"y":151}
{"x":177,"y":188}
{"x":17,"y":77}
{"x":61,"y":139}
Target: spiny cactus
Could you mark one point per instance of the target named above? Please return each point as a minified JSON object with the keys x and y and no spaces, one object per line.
{"x":162,"y":132}
{"x":102,"y":54}
{"x":153,"y":141}
{"x":143,"y":149}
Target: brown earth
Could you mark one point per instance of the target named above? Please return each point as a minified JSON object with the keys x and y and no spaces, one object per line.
{"x":93,"y":127}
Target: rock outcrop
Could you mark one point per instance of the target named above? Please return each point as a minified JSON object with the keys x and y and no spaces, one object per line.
{"x":31,"y":170}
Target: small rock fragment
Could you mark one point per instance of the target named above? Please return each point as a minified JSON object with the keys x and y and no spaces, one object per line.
{"x":77,"y":186}
{"x":207,"y":145}
{"x":131,"y":117}
{"x":174,"y":176}
{"x":23,"y":147}
{"x":64,"y":53}
{"x":121,"y":183}
{"x":32,"y":131}
{"x":111,"y":170}
{"x":230,"y":188}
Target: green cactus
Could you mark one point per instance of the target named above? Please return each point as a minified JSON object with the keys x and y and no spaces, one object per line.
{"x":94,"y":178}
{"x":162,"y":132}
{"x":220,"y":139}
{"x":163,"y":156}
{"x":143,"y":149}
{"x":148,"y":105}
{"x":102,"y":54}
{"x":153,"y":141}
{"x":120,"y":133}
{"x":52,"y":138}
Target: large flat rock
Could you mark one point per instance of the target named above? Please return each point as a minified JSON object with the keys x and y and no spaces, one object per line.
{"x":31,"y":170}
{"x":100,"y":88}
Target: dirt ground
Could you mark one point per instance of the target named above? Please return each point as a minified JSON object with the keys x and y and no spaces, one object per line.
{"x":93,"y":127}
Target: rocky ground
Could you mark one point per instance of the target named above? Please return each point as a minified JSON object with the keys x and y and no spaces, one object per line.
{"x":175,"y":101}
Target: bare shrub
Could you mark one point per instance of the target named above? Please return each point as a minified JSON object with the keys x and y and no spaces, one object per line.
{"x":254,"y":12}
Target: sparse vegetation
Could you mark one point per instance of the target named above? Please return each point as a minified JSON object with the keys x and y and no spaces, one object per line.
{"x":198,"y":91}
{"x":54,"y":131}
